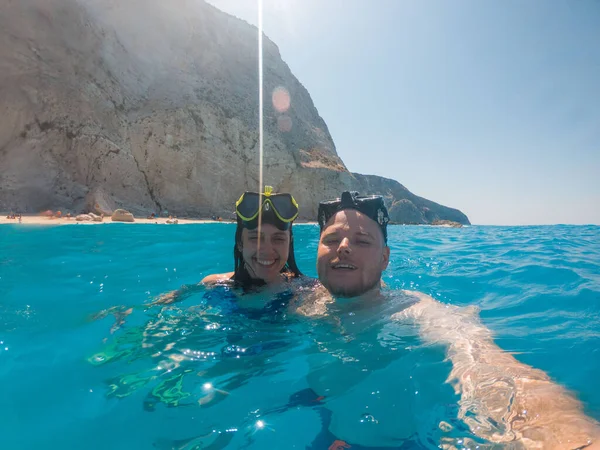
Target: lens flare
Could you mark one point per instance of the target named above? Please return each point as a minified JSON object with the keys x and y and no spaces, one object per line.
{"x":281,"y":99}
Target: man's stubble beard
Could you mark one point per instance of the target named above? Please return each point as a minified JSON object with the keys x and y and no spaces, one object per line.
{"x":348,"y":291}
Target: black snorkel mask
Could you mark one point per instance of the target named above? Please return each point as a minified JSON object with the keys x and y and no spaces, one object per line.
{"x":371,"y":206}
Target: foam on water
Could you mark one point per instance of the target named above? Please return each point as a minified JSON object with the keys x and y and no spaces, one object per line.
{"x":87,"y":365}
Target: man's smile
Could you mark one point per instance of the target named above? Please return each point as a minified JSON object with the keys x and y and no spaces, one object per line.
{"x":343,"y":266}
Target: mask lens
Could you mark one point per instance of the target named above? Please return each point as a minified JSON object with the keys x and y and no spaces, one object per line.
{"x":248,"y":207}
{"x":284,"y":206}
{"x":369,"y":205}
{"x":326,"y":210}
{"x":372,"y":206}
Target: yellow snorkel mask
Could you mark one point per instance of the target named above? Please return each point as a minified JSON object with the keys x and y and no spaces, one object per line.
{"x":277,"y":209}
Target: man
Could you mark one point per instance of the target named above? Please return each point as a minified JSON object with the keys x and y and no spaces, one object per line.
{"x":502,"y":399}
{"x":353,"y":251}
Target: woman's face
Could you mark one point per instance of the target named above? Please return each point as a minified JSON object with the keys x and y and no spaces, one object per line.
{"x":265,"y":253}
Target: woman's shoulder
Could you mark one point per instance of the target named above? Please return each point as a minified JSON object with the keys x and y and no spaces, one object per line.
{"x":216,"y":278}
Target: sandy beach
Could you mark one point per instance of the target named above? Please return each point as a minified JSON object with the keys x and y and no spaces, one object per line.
{"x":42,"y":220}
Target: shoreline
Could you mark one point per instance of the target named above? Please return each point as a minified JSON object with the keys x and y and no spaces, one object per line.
{"x":42,"y":220}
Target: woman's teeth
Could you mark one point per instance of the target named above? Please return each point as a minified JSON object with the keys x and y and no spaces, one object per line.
{"x":265,"y":262}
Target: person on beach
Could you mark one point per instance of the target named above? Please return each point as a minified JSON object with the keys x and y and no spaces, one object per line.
{"x":501,"y":399}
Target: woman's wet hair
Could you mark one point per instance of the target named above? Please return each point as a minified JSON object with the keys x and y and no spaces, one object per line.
{"x":242,"y":278}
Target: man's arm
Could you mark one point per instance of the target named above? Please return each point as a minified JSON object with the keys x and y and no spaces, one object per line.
{"x":502,"y":399}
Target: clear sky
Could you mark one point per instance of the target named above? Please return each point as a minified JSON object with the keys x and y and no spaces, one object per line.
{"x":491,"y":107}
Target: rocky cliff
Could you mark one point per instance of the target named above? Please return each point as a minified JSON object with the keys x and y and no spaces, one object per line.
{"x":152,"y":106}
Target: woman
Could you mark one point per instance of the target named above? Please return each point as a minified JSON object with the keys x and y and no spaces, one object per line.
{"x":263,"y":252}
{"x":262,"y":255}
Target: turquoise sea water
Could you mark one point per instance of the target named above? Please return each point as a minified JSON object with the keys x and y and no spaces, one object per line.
{"x":203,"y":374}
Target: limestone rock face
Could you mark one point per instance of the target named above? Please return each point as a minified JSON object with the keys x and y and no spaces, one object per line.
{"x":152,"y":106}
{"x":99,"y":202}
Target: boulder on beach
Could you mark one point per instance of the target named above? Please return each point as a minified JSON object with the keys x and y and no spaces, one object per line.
{"x":83,"y":218}
{"x":122,"y":215}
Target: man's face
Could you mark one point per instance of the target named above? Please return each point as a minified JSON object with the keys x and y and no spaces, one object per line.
{"x":352,"y":254}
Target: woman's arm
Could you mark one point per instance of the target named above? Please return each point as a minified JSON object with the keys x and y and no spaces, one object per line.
{"x":177,"y":295}
{"x":215,"y":278}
